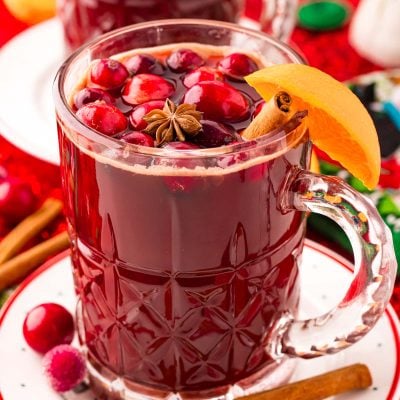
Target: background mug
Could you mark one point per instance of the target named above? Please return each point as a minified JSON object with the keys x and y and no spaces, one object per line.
{"x":186,"y":263}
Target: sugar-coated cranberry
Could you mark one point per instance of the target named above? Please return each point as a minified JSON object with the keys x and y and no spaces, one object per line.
{"x":214,"y":134}
{"x":103,"y":117}
{"x":202,"y":74}
{"x":218,"y":101}
{"x":64,"y":367}
{"x":48,"y":325}
{"x":17,"y":200}
{"x":259,"y":107}
{"x":143,"y":63}
{"x":146,"y":87}
{"x":184,"y":60}
{"x":136,"y":117}
{"x":108,"y":73}
{"x":237,"y":65}
{"x":90,"y":95}
{"x":140,"y":138}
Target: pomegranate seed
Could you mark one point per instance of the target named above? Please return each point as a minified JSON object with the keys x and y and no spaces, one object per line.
{"x":144,"y":63}
{"x":202,"y":74}
{"x":136,"y":117}
{"x":103,"y":117}
{"x":237,"y":65}
{"x":184,"y":60}
{"x":146,"y":87}
{"x":108,"y":73}
{"x":139,"y":138}
{"x":214,"y":134}
{"x":48,"y":325}
{"x":90,"y":95}
{"x":218,"y":101}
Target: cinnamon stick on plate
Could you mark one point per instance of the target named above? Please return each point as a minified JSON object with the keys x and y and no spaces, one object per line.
{"x":353,"y":377}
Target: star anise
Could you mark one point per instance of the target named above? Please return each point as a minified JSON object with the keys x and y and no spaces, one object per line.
{"x":173,"y":122}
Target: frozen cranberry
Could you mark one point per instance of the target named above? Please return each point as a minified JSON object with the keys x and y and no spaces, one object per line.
{"x":108,"y":73}
{"x":139,"y":138}
{"x":184,"y":60}
{"x":202,"y":74}
{"x":143,"y":63}
{"x":136,"y":117}
{"x":237,"y":65}
{"x":90,"y":95}
{"x":259,"y":107}
{"x":214,"y":134}
{"x":48,"y":325}
{"x":146,"y":87}
{"x":103,"y":117}
{"x":17,"y":200}
{"x":218,"y":101}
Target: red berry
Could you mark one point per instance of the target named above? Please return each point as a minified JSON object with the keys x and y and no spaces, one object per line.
{"x":136,"y":117}
{"x":143,"y":63}
{"x":180,"y":146}
{"x":214,"y":134}
{"x":103,"y":117}
{"x":3,"y":173}
{"x":90,"y":95}
{"x":64,"y":367}
{"x":184,"y":60}
{"x":146,"y":87}
{"x":139,"y":138}
{"x":108,"y":73}
{"x":202,"y":74}
{"x":218,"y":101}
{"x":17,"y":200}
{"x":237,"y":65}
{"x":48,"y":325}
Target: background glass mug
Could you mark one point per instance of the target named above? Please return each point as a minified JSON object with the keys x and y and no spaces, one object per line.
{"x":85,"y":19}
{"x":195,"y":292}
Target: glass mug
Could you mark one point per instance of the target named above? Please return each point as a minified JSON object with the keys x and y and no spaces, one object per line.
{"x":85,"y":19}
{"x":194,"y":293}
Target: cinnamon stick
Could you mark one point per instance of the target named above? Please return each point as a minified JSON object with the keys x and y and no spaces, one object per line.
{"x":28,"y":228}
{"x":276,"y":112}
{"x":353,"y":377}
{"x":18,"y":267}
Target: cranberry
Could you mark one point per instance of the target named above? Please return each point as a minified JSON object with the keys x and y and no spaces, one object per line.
{"x":90,"y":95}
{"x":17,"y":200}
{"x":146,"y":87}
{"x":218,"y":101}
{"x":139,"y":138}
{"x":103,"y":117}
{"x":184,"y":60}
{"x":180,"y":146}
{"x":214,"y":134}
{"x":259,"y":107}
{"x":3,"y":173}
{"x":108,"y":73}
{"x":237,"y":65}
{"x":136,"y":117}
{"x":143,"y":63}
{"x":48,"y":325}
{"x":202,"y":74}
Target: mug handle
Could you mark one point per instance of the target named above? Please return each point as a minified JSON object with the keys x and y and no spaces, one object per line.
{"x":374,"y":272}
{"x":278,"y":18}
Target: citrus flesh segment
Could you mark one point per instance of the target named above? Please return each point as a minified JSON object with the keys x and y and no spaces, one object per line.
{"x":338,"y":122}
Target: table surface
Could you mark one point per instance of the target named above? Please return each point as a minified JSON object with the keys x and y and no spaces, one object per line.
{"x":329,"y":51}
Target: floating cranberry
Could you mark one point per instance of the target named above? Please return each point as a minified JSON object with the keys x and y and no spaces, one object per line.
{"x":90,"y":95}
{"x":202,"y":74}
{"x":48,"y":325}
{"x":214,"y":134}
{"x":17,"y":200}
{"x":108,"y":73}
{"x":259,"y":107}
{"x":218,"y":101}
{"x":139,"y":138}
{"x":136,"y":117}
{"x":103,"y":117}
{"x":184,"y":60}
{"x":143,"y":63}
{"x":146,"y":87}
{"x":237,"y":65}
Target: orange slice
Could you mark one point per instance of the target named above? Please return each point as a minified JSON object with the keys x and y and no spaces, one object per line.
{"x":338,"y":122}
{"x":31,"y":11}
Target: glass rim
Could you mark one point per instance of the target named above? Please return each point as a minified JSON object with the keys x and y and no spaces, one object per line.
{"x":63,"y":108}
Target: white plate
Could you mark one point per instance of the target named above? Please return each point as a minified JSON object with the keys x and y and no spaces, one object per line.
{"x":324,"y":275}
